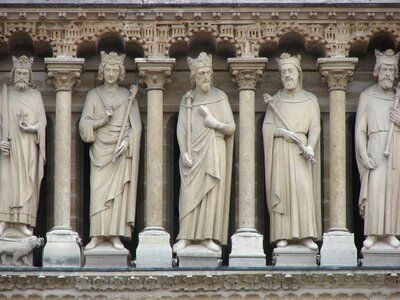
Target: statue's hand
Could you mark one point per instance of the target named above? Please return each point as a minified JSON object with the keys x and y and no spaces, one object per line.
{"x":211,"y":122}
{"x":395,"y":116}
{"x":288,"y":135}
{"x":308,"y":152}
{"x":187,"y":162}
{"x":370,"y":163}
{"x":121,"y":149}
{"x":204,"y":111}
{"x":28,"y":127}
{"x":5,"y":146}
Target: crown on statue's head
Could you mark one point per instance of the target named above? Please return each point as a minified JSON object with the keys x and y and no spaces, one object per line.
{"x":203,"y":60}
{"x":388,"y":57}
{"x":286,"y":58}
{"x":23,"y":62}
{"x":112,"y":58}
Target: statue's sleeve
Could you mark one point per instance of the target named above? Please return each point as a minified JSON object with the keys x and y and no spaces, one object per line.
{"x":181,"y":127}
{"x":42,"y":121}
{"x":86,"y":128}
{"x":135,"y":130}
{"x":315,"y":125}
{"x":361,"y":130}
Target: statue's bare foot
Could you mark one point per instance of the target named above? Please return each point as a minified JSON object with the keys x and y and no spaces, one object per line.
{"x":2,"y":227}
{"x":282,"y":243}
{"x":211,"y":245}
{"x":116,"y":242}
{"x":24,"y":229}
{"x":392,"y":241}
{"x":309,"y":243}
{"x":94,"y":242}
{"x":369,"y":241}
{"x":180,"y":245}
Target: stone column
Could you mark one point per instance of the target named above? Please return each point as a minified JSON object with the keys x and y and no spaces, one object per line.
{"x":63,"y":245}
{"x":154,"y":249}
{"x":247,"y":242}
{"x":338,"y":247}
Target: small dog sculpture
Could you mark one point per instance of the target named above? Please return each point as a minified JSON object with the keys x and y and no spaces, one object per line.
{"x":18,"y":249}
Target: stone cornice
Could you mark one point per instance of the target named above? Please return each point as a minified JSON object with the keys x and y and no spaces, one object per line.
{"x":64,"y":72}
{"x":155,"y":72}
{"x":247,"y":71}
{"x":337,"y":71}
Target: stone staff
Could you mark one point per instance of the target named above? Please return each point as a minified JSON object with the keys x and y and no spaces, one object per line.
{"x":386,"y":153}
{"x":4,"y":125}
{"x":268,"y":101}
{"x":189,"y":99}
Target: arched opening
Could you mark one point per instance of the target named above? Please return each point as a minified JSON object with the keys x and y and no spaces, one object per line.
{"x":20,"y":43}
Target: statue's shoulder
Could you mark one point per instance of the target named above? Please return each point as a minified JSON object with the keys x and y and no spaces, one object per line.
{"x":369,"y":91}
{"x":219,"y":93}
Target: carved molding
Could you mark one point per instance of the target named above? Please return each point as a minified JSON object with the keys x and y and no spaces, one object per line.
{"x":64,"y":73}
{"x":337,"y":71}
{"x":247,"y":71}
{"x":155,"y":72}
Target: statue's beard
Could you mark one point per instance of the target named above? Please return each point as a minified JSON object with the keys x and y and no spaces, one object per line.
{"x":205,"y":86}
{"x":21,"y":85}
{"x":289,"y":84}
{"x":386,"y":83}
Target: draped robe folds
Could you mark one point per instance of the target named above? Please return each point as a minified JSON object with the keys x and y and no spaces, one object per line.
{"x":379,"y":200}
{"x":206,"y":186}
{"x":113,"y":185}
{"x":20,"y":181}
{"x":292,"y":182}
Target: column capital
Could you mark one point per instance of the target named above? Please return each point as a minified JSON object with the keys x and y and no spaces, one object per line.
{"x":337,"y":71}
{"x":155,"y":72}
{"x":64,"y":71}
{"x":246,"y":71}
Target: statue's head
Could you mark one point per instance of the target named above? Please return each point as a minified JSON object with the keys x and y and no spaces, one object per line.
{"x":291,"y":73}
{"x":21,"y":72}
{"x":386,"y":67}
{"x":201,"y":72}
{"x":110,"y":62}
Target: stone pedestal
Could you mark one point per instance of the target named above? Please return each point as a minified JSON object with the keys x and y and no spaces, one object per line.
{"x":380,"y":255}
{"x":247,"y":243}
{"x":247,"y":249}
{"x":198,"y":256}
{"x":106,"y":256}
{"x":294,"y":256}
{"x":338,"y":248}
{"x":154,"y":249}
{"x":62,"y":249}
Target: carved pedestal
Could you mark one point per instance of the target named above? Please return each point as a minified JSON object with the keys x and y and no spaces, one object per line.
{"x":106,"y":256}
{"x":338,"y":248}
{"x":62,"y":249}
{"x":380,"y":255}
{"x":154,"y":249}
{"x":247,"y":249}
{"x":295,"y":256}
{"x":198,"y":256}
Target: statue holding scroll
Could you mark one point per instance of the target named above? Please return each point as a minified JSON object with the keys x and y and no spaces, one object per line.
{"x":377,"y":133}
{"x":111,"y":123}
{"x":205,"y":136}
{"x":22,"y":149}
{"x":291,"y":133}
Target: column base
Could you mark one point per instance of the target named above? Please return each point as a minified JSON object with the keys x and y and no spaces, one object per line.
{"x":106,"y":256}
{"x":198,"y":256}
{"x":338,"y":249}
{"x":154,"y":249}
{"x":380,"y":255}
{"x":247,"y":249}
{"x":294,"y":256}
{"x":62,"y":248}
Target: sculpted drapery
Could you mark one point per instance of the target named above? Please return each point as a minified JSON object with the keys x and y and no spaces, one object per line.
{"x":22,"y":167}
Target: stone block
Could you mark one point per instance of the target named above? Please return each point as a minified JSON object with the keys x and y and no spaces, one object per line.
{"x":106,"y":256}
{"x":295,"y":256}
{"x":338,"y":249}
{"x":198,"y":256}
{"x":380,"y":255}
{"x":247,"y":249}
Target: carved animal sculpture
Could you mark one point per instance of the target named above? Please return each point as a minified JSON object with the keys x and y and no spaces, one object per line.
{"x":19,"y":249}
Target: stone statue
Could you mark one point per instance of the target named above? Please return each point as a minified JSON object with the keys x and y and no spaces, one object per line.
{"x":292,"y":126}
{"x":22,"y":150}
{"x":205,"y":136}
{"x":111,"y":122}
{"x":377,"y":133}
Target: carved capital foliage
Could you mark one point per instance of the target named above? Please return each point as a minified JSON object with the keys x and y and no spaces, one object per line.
{"x":247,"y":71}
{"x":64,"y":73}
{"x":155,"y":73}
{"x":337,"y":72}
